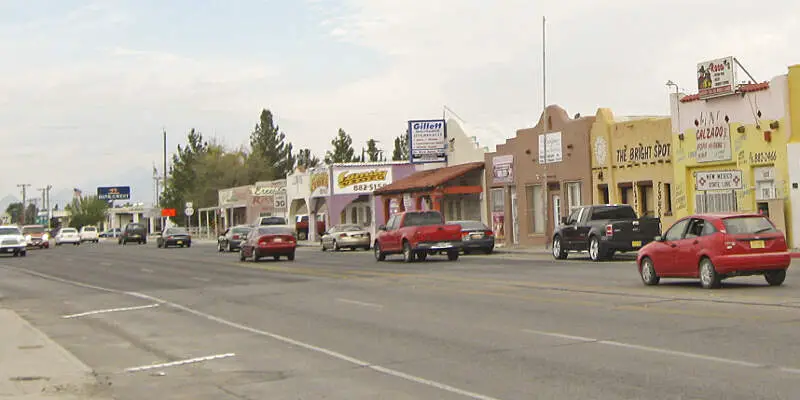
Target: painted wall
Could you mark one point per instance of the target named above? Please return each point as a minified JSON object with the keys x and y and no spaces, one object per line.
{"x":793,"y":151}
{"x":633,"y":155}
{"x":754,"y":111}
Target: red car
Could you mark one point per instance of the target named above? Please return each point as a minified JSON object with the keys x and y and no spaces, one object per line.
{"x":265,"y":241}
{"x":417,"y":234}
{"x":714,"y":247}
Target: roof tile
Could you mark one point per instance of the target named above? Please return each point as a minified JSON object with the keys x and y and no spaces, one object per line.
{"x":426,"y":180}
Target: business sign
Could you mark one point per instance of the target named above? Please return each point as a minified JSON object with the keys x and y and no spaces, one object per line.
{"x":320,"y":181}
{"x":361,"y":179}
{"x":503,"y":169}
{"x":550,"y":148}
{"x":233,"y":197}
{"x":716,"y":78}
{"x":713,"y":142}
{"x":269,"y":188}
{"x":427,"y":141}
{"x":718,"y":180}
{"x":168,"y":212}
{"x":114,"y":193}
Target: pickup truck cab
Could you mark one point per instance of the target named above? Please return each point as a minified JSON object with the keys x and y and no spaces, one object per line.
{"x":415,"y":235}
{"x":603,"y":230}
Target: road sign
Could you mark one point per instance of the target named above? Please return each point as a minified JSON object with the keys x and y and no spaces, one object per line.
{"x":167,"y":212}
{"x":189,"y":211}
{"x":189,"y":204}
{"x":279,"y":201}
{"x":114,"y":193}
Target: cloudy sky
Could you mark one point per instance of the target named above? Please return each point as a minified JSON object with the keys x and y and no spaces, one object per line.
{"x":86,"y":87}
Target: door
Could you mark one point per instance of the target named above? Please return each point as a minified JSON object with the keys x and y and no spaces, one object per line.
{"x":699,"y":236}
{"x":556,"y":198}
{"x":665,"y":255}
{"x":393,"y":238}
{"x":569,"y":232}
{"x":514,"y":216}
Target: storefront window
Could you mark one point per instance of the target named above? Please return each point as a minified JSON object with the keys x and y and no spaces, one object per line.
{"x":368,"y":218}
{"x":536,"y":208}
{"x":354,"y":215}
{"x":498,"y":203}
{"x":714,"y":201}
{"x":573,"y":195}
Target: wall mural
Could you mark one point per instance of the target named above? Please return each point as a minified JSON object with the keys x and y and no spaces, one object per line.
{"x":680,"y":196}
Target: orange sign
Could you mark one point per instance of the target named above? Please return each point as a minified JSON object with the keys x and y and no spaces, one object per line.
{"x":168,"y":212}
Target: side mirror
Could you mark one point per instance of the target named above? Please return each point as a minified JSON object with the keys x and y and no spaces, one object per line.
{"x":382,"y":227}
{"x":659,"y":239}
{"x":563,"y":220}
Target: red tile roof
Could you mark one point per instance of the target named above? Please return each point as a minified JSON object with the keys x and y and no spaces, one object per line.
{"x":427,"y":180}
{"x":745,"y":88}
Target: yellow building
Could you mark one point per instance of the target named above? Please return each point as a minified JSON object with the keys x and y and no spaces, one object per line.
{"x":730,"y":152}
{"x":632,"y":163}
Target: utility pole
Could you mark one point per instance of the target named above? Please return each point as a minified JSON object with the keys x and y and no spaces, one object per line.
{"x":46,"y":202}
{"x":24,"y":187}
{"x":164,"y":184}
{"x":44,"y":199}
{"x":545,"y":128}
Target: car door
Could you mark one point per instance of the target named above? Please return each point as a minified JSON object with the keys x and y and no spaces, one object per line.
{"x":664,"y":254}
{"x":391,"y":239}
{"x":225,"y":238}
{"x":327,"y":237}
{"x":687,"y":253}
{"x":569,"y":231}
{"x":582,"y":229}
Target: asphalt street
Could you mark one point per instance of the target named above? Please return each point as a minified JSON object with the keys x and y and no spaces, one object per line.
{"x":197,"y":324}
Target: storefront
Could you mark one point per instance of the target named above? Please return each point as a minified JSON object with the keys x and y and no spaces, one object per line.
{"x":232,"y":204}
{"x":268,"y":199}
{"x":632,"y":163}
{"x":538,"y":176}
{"x":730,"y":151}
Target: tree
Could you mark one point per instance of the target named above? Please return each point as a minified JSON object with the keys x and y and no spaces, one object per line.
{"x":306,"y":159}
{"x":270,"y":155}
{"x":15,"y":211}
{"x":400,"y":152}
{"x":373,"y":152}
{"x":183,"y":175}
{"x":31,"y":214}
{"x":88,"y":210}
{"x":342,"y":149}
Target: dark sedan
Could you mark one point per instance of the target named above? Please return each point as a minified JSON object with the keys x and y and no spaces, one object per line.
{"x":175,"y":236}
{"x":475,"y":236}
{"x":232,"y":238}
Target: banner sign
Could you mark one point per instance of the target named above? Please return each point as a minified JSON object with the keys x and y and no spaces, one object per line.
{"x":353,"y":180}
{"x":427,"y":141}
{"x":320,"y":181}
{"x":114,"y":193}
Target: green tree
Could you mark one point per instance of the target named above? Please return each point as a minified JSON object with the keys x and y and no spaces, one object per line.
{"x":342,"y":149}
{"x":373,"y":152}
{"x":306,"y":159}
{"x":184,"y":175}
{"x":31,"y":212}
{"x":271,"y":154}
{"x":400,"y":152}
{"x":15,"y":211}
{"x":88,"y":210}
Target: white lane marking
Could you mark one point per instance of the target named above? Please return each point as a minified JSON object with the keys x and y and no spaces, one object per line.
{"x":110,"y":310}
{"x":201,"y":279}
{"x":149,"y":271}
{"x":180,"y":362}
{"x":659,"y":350}
{"x":331,"y":353}
{"x":106,"y":263}
{"x":360,"y":303}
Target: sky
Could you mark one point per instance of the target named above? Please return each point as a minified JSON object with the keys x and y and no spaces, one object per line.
{"x":87,"y":86}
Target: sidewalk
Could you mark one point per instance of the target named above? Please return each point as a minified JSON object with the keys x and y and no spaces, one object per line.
{"x":33,"y":367}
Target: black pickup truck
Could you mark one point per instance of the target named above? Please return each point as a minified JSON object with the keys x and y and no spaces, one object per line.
{"x":604,"y":230}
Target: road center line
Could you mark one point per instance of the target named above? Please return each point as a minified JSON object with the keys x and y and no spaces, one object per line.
{"x":659,"y":350}
{"x":149,"y":271}
{"x":360,"y":303}
{"x":110,"y":310}
{"x":322,"y":350}
{"x":201,"y":279}
{"x":180,"y":362}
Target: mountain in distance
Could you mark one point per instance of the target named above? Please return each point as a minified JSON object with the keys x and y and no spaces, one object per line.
{"x":5,"y":201}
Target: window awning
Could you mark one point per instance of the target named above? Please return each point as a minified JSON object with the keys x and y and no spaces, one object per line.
{"x":427,"y":180}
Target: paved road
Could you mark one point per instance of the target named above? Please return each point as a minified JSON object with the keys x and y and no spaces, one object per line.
{"x":340,"y":326}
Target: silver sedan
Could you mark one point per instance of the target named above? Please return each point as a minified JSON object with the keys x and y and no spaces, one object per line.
{"x":346,"y":236}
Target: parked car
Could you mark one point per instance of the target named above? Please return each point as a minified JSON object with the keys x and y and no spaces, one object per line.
{"x":174,"y":236}
{"x":713,"y":247}
{"x":68,"y":236}
{"x":417,"y":234}
{"x":603,"y":230}
{"x":232,"y":238}
{"x":12,"y":241}
{"x":346,"y":236}
{"x":271,"y":221}
{"x":301,"y":225}
{"x":133,"y":232}
{"x":265,"y":241}
{"x":88,"y":233}
{"x":476,"y":236}
{"x":110,"y":233}
{"x":36,"y":236}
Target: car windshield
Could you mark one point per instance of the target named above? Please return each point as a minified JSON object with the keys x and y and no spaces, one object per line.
{"x":68,"y":230}
{"x":748,"y":225}
{"x":423,"y":218}
{"x":176,"y":231}
{"x":9,"y":231}
{"x":89,"y":229}
{"x":273,"y":221}
{"x":349,"y":228}
{"x":275,"y":230}
{"x":241,"y":231}
{"x":32,"y":229}
{"x":613,"y":212}
{"x":470,"y":225}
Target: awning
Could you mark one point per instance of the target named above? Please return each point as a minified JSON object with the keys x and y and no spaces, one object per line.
{"x":427,"y":180}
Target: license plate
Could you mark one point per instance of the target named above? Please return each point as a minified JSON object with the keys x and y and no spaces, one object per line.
{"x":441,"y":245}
{"x":636,"y":243}
{"x":756,"y":244}
{"x":477,"y":236}
{"x":278,"y":239}
{"x":180,"y":241}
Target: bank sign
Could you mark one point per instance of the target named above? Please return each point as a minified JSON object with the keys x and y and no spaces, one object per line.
{"x":427,"y":141}
{"x":360,"y":180}
{"x":114,"y":193}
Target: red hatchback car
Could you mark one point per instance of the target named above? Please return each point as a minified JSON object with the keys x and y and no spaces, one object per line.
{"x":714,"y":247}
{"x":265,"y":241}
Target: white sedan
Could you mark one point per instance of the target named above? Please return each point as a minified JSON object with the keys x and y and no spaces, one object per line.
{"x":68,"y":236}
{"x":89,"y":234}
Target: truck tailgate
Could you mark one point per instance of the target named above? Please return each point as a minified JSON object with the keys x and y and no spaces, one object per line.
{"x":642,"y":229}
{"x":437,"y":233}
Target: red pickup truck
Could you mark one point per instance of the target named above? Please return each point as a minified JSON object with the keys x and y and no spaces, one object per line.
{"x":415,"y":235}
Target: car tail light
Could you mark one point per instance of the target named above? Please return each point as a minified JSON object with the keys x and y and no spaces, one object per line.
{"x":169,"y":237}
{"x":263,"y":242}
{"x":488,"y":233}
{"x":464,"y":234}
{"x":343,"y":235}
{"x":609,"y":230}
{"x":235,"y":237}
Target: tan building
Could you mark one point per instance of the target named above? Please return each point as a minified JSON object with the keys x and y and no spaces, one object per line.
{"x":535,"y":178}
{"x":632,"y":163}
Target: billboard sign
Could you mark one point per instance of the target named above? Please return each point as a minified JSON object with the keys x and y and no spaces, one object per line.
{"x":114,"y":193}
{"x":320,"y":182}
{"x":503,"y":169}
{"x":716,"y":78}
{"x":427,"y":141}
{"x":550,"y":148}
{"x":358,"y":180}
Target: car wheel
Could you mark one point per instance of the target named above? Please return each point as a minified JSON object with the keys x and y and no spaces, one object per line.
{"x":379,"y":256}
{"x":366,"y":248}
{"x":255,"y":257}
{"x":709,"y":277}
{"x":422,"y":256}
{"x":408,"y":254}
{"x":302,"y":235}
{"x":452,"y":255}
{"x":559,"y":253}
{"x":290,"y":256}
{"x":322,"y":246}
{"x":489,"y":250}
{"x":242,"y":258}
{"x":648,"y":272}
{"x":276,"y":257}
{"x":595,"y":250}
{"x":219,"y":247}
{"x":336,"y":246}
{"x":188,"y":245}
{"x":775,"y":278}
{"x":230,"y":249}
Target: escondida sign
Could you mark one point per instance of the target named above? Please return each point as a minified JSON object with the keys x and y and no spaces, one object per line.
{"x":361,"y":179}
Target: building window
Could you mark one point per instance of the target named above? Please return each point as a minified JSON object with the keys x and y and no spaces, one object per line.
{"x":714,"y":201}
{"x":668,"y":198}
{"x":623,"y":195}
{"x":535,"y":208}
{"x":604,"y":195}
{"x":573,"y":195}
{"x":354,"y":215}
{"x":343,"y":216}
{"x":368,"y":218}
{"x":645,"y":200}
{"x":498,"y":200}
